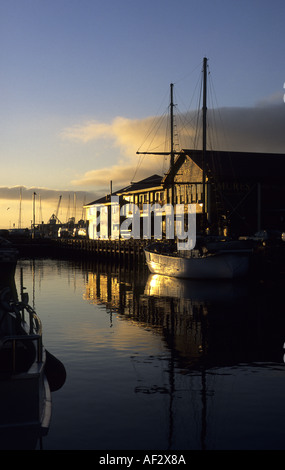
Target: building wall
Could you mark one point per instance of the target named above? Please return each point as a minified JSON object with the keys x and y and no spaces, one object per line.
{"x":245,"y":204}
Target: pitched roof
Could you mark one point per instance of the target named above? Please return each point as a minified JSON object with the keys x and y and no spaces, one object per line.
{"x":146,"y":183}
{"x":226,"y":166}
{"x":102,"y":200}
{"x":237,"y":165}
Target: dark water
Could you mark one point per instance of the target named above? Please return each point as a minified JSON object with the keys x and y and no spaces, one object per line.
{"x":156,"y":363}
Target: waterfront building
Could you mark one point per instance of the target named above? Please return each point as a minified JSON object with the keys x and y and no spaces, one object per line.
{"x":242,"y":192}
{"x":245,"y":191}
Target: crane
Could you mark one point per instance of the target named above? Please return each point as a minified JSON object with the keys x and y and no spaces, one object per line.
{"x":54,"y":218}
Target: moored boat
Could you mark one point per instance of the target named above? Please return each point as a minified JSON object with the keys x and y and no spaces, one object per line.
{"x":223,"y":264}
{"x":225,"y":260}
{"x":25,"y":396}
{"x":8,"y":259}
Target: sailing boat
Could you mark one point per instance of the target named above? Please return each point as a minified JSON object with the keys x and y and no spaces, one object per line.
{"x":222,"y":264}
{"x":227,"y":261}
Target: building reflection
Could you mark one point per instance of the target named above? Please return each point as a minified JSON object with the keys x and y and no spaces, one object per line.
{"x":202,"y":322}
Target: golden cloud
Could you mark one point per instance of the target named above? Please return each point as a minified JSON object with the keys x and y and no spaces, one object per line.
{"x":125,"y":133}
{"x":87,"y":131}
{"x":256,"y":129}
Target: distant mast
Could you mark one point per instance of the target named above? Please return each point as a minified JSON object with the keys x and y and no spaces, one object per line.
{"x":20,"y":211}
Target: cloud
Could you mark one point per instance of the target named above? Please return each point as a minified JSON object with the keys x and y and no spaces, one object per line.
{"x":103,"y":176}
{"x":274,"y":99}
{"x":89,"y":131}
{"x":258,"y":129}
{"x":120,"y":174}
{"x":123,"y":135}
{"x":255,"y":129}
{"x":46,"y":194}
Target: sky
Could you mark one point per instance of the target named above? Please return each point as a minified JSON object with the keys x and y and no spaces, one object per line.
{"x":83,"y":83}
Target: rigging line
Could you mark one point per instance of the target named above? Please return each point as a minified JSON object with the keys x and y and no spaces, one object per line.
{"x":156,"y":124}
{"x":211,"y":129}
{"x":165,"y":140}
{"x":141,"y":157}
{"x":198,"y":118}
{"x":155,"y":118}
{"x":186,"y":76}
{"x":190,"y":111}
{"x":197,"y":113}
{"x":183,"y":129}
{"x":166,"y":160}
{"x":175,"y":131}
{"x":188,"y":126}
{"x":222,"y":128}
{"x":165,"y":165}
{"x":183,"y":124}
{"x":216,"y":104}
{"x":179,"y":99}
{"x":214,"y":132}
{"x":196,"y":93}
{"x":140,"y":160}
{"x":167,"y":134}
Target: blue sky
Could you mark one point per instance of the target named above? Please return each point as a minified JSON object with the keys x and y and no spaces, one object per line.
{"x":80,"y":78}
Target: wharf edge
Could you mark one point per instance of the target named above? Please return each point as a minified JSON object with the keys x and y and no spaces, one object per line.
{"x":267,"y":261}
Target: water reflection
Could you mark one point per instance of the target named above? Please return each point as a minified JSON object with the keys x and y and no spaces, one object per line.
{"x":215,"y":322}
{"x":28,"y":372}
{"x":212,"y":329}
{"x":159,"y":363}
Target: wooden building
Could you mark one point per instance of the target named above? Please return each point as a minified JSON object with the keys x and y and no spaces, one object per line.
{"x":241,"y":193}
{"x":245,"y":191}
{"x":106,"y":215}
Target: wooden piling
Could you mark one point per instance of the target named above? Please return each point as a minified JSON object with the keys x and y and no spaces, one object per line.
{"x":121,"y":250}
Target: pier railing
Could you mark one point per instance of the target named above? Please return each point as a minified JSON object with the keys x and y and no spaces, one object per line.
{"x":119,"y":248}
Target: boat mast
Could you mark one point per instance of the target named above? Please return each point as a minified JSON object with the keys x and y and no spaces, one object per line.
{"x":172,"y":152}
{"x":204,"y":134}
{"x":171,"y":144}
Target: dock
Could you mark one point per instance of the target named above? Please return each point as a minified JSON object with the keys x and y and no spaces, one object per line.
{"x":121,"y":250}
{"x":268,"y":261}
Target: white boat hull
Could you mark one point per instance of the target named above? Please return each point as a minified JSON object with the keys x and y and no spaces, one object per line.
{"x":223,"y":265}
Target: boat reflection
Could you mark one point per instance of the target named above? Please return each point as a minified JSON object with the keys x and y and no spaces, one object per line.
{"x":220,"y":323}
{"x":204,"y":291}
{"x":210,"y":329}
{"x":209,"y":323}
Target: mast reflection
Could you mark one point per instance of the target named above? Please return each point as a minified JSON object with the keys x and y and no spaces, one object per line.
{"x":217,"y":322}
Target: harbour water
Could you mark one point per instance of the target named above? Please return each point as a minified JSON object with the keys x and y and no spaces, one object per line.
{"x":160,"y":363}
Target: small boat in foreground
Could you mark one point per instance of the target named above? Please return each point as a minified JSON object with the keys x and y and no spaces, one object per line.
{"x":25,"y":396}
{"x":8,"y":259}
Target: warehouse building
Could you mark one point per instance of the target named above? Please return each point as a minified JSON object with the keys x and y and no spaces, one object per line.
{"x":241,"y":193}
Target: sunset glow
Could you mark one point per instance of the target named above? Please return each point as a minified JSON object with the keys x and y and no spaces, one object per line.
{"x":77,"y":103}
